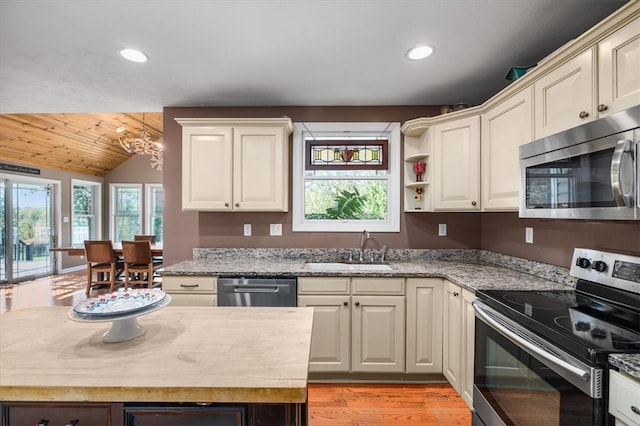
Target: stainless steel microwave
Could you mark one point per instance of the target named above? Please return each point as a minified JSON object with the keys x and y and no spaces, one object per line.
{"x":588,"y":172}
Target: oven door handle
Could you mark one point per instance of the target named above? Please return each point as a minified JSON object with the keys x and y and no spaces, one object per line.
{"x":583,"y":375}
{"x":622,"y":148}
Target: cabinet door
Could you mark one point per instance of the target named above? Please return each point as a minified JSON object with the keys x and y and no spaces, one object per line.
{"x":456,"y":165}
{"x":60,"y":413}
{"x":452,"y":335}
{"x":619,"y":69}
{"x":206,"y":169}
{"x":424,"y":325}
{"x":468,"y":342}
{"x":378,"y":333}
{"x":330,"y":338}
{"x":260,"y":169}
{"x":565,"y":97}
{"x":504,"y":128}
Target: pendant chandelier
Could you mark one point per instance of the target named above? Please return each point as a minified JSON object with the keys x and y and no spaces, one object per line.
{"x":145,"y":146}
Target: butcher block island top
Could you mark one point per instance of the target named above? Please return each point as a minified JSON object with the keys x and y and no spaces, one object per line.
{"x":188,"y":354}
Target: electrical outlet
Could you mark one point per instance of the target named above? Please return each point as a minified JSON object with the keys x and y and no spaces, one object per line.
{"x":442,"y":230}
{"x":275,"y":229}
{"x":247,"y":229}
{"x":528,"y":235}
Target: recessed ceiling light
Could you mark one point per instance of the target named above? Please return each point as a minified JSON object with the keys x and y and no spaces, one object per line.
{"x":121,"y":129}
{"x":419,"y":52}
{"x":134,"y":55}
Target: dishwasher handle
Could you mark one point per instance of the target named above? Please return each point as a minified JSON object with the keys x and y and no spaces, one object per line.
{"x":255,"y":289}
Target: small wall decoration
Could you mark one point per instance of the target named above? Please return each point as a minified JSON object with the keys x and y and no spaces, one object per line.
{"x":419,"y":169}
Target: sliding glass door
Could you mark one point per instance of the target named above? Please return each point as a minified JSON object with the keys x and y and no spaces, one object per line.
{"x":27,"y":229}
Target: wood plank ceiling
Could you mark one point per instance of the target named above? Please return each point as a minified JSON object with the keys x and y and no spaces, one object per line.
{"x":81,"y":143}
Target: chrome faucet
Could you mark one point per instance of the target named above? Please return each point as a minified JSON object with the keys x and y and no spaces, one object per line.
{"x":383,"y":253}
{"x":364,"y":237}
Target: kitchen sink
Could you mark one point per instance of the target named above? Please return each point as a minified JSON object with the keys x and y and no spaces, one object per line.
{"x":329,"y":266}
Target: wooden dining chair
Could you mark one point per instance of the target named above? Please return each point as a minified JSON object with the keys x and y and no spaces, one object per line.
{"x":150,"y":238}
{"x":101,"y":262}
{"x":138,"y":263}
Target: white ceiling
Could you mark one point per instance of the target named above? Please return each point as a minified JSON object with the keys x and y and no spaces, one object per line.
{"x":62,"y":56}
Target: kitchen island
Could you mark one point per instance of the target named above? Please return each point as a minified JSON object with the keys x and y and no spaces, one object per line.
{"x":188,"y":355}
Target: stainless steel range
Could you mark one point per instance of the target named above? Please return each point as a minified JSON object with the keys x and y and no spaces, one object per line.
{"x":541,"y":356}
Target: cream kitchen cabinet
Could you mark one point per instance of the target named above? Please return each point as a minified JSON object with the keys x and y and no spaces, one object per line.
{"x":358,"y":323}
{"x":455,"y":177}
{"x":233,"y":165}
{"x":624,"y":398}
{"x":619,"y":69}
{"x":191,"y":291}
{"x":424,"y":325}
{"x":458,"y":339}
{"x":602,"y":79}
{"x":505,"y":126}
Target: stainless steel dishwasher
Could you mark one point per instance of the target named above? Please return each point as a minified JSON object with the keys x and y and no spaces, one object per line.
{"x":257,"y":291}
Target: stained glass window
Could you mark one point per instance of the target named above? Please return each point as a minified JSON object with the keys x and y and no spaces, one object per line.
{"x":347,"y":154}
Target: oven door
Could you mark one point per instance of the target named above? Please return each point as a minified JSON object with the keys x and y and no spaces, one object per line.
{"x":520,"y":381}
{"x":591,"y":180}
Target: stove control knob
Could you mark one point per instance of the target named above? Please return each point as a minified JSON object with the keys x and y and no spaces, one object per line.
{"x":598,"y":333}
{"x":582,"y":326}
{"x":583,"y":262}
{"x":599,"y":266}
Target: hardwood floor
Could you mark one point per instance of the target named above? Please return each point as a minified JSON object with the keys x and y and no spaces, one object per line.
{"x":329,"y":404}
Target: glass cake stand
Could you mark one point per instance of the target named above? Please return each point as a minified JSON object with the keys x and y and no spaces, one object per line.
{"x":124,"y":326}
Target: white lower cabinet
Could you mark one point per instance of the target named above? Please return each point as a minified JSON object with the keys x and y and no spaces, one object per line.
{"x":624,"y":399}
{"x":458,"y":339}
{"x":191,"y":291}
{"x":424,"y":325}
{"x":358,"y":324}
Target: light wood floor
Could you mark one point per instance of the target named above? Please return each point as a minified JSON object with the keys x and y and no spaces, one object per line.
{"x":329,"y":404}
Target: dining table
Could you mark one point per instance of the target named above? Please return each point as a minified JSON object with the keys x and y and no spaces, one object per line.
{"x":156,"y":250}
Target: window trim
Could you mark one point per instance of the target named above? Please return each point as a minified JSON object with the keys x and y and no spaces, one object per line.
{"x":390,"y":131}
{"x":97,"y":207}
{"x":148,"y":206}
{"x":112,"y":207}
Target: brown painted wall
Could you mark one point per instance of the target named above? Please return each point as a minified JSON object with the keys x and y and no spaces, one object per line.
{"x":554,"y":240}
{"x":500,"y":232}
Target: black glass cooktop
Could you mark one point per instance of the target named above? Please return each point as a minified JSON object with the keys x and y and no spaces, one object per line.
{"x":584,"y":324}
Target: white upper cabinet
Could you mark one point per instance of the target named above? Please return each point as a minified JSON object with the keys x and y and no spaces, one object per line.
{"x":619,"y":69}
{"x":505,"y":127}
{"x":235,"y":164}
{"x":600,"y":80}
{"x":565,"y":97}
{"x":456,"y":164}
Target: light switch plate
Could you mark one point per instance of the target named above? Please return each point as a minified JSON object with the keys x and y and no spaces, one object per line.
{"x":247,"y":229}
{"x":275,"y":229}
{"x":528,"y":235}
{"x":442,"y":230}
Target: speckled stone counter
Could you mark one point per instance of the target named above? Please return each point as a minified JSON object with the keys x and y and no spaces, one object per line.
{"x":629,"y":363}
{"x":472,"y":269}
{"x":189,"y":354}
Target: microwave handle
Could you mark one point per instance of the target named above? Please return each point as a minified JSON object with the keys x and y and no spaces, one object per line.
{"x":622,"y":147}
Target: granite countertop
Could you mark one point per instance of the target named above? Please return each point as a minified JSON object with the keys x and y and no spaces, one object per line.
{"x":629,"y":363}
{"x":470,"y":273}
{"x":189,"y":354}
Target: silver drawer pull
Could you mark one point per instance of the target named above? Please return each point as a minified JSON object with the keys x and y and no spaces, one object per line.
{"x":189,"y":285}
{"x":635,"y":409}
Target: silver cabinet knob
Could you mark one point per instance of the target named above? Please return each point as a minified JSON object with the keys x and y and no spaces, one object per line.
{"x":602,"y":108}
{"x":345,"y":303}
{"x":455,"y":293}
{"x":237,"y":204}
{"x":635,"y":409}
{"x":473,"y":203}
{"x":226,"y":204}
{"x":583,"y":114}
{"x":357,"y":303}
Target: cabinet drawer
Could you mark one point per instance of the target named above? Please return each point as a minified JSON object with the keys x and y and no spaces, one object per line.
{"x":189,"y":284}
{"x":624,"y":398}
{"x":60,"y":413}
{"x":378,"y":286}
{"x":193,"y":299}
{"x":322,"y":285}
